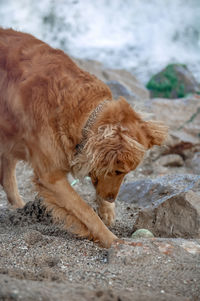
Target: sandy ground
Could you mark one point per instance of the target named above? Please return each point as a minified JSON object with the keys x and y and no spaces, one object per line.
{"x":40,"y":261}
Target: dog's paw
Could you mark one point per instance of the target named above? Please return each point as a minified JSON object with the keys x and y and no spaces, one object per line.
{"x":106,"y":212}
{"x":108,"y":240}
{"x":18,"y":203}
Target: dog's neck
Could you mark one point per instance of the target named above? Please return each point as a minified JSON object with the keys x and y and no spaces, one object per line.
{"x":90,"y":122}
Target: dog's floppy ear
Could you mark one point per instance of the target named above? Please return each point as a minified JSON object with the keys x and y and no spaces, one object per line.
{"x":156,"y":133}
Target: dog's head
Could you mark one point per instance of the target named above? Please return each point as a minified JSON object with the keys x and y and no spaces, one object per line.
{"x":116,"y":145}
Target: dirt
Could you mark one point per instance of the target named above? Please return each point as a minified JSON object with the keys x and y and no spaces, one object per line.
{"x":41,"y":261}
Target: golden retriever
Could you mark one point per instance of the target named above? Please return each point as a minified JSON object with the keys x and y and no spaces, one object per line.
{"x":61,"y":119}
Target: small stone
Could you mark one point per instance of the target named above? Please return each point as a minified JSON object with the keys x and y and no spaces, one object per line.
{"x":172,"y":160}
{"x":142,"y":233}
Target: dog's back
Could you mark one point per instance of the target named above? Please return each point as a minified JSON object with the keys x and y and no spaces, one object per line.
{"x":35,"y":82}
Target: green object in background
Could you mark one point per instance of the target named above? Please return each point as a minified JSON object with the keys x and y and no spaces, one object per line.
{"x":175,"y":81}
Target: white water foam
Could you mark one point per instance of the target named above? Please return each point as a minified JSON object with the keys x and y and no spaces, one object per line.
{"x":142,"y":36}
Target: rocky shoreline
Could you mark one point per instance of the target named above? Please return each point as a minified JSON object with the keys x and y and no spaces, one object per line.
{"x":40,"y":261}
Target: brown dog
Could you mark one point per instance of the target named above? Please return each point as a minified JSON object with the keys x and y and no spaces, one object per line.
{"x":61,"y":119}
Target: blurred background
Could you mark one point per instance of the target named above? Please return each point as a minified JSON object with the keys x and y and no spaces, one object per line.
{"x":141,"y":36}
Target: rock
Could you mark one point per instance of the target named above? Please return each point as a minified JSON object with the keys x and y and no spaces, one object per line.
{"x":194,"y":163}
{"x":118,"y":90}
{"x":142,"y":233}
{"x":185,"y":149}
{"x":178,"y":216}
{"x":182,"y":116}
{"x":174,"y":81}
{"x":123,"y":77}
{"x":149,"y":192}
{"x":172,"y":205}
{"x":172,"y":160}
{"x":129,"y":80}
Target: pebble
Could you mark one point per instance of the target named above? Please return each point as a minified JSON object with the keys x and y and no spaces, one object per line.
{"x":142,"y":233}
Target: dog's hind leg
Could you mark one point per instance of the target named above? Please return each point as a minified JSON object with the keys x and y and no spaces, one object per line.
{"x":8,"y":181}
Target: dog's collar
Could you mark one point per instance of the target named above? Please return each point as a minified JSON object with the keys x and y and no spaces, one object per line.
{"x":91,"y":120}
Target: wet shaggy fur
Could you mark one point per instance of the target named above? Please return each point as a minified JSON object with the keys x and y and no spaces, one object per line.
{"x":45,"y":102}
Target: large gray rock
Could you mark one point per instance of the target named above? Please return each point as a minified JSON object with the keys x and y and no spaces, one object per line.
{"x":182,"y":116}
{"x":149,"y":192}
{"x":178,"y":216}
{"x":171,"y":205}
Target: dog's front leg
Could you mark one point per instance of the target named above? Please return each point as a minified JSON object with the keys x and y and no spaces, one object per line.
{"x":58,"y":193}
{"x":106,"y":211}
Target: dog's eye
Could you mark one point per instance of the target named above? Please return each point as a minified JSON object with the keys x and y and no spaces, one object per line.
{"x":118,"y":172}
